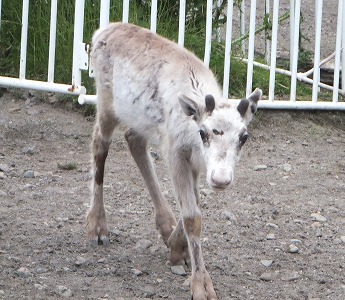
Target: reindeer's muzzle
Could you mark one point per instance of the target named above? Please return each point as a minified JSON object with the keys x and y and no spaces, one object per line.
{"x":220,"y":178}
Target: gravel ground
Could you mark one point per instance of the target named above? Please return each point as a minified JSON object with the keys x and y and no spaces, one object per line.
{"x":278,"y":233}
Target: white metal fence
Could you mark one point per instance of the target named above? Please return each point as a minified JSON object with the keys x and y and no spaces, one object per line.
{"x":249,"y":15}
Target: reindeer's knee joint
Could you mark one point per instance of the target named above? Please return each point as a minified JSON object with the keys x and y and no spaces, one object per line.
{"x":192,"y":223}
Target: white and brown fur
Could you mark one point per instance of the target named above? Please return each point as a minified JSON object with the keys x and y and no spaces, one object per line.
{"x":165,"y":96}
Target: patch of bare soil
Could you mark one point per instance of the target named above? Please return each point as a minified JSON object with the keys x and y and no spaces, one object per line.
{"x":278,"y":233}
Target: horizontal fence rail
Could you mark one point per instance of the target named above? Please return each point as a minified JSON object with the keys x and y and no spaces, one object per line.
{"x":244,"y":28}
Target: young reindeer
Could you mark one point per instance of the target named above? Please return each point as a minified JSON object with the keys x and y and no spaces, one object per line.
{"x":165,"y":96}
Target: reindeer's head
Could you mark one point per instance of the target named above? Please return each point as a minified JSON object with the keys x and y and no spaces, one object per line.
{"x":223,"y":132}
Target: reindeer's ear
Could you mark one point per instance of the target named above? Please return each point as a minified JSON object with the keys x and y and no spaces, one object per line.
{"x":189,"y":107}
{"x":247,"y":107}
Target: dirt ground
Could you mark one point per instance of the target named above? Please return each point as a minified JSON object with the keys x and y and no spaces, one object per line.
{"x":278,"y":233}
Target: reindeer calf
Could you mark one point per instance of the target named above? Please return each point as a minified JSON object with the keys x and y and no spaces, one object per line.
{"x":166,"y":96}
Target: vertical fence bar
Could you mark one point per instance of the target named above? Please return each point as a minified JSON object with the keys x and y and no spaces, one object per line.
{"x":153,"y":25}
{"x":77,"y":42}
{"x":316,"y":74}
{"x":125,"y":11}
{"x":343,"y":55}
{"x":295,"y":50}
{"x":274,"y":50}
{"x":24,"y":39}
{"x":52,"y":40}
{"x":268,"y":41}
{"x":104,"y":13}
{"x":227,"y":60}
{"x":182,"y":22}
{"x":208,"y":38}
{"x":243,"y":26}
{"x":251,"y":47}
{"x":292,"y":16}
{"x":338,"y":52}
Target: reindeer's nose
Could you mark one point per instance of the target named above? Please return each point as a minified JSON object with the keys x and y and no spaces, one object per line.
{"x":221,"y":178}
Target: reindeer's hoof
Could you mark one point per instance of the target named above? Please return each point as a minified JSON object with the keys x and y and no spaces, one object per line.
{"x":103,"y":240}
{"x":202,"y":287}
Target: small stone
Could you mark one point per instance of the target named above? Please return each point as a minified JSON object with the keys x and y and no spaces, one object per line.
{"x":329,"y":141}
{"x":287,"y":168}
{"x":148,"y":291}
{"x":159,"y":280}
{"x":178,"y":270}
{"x":143,"y":244}
{"x":295,"y":241}
{"x":80,"y":261}
{"x":266,"y":262}
{"x":27,"y":187}
{"x":291,"y":276}
{"x":66,"y":269}
{"x":316,"y":225}
{"x":28,"y":150}
{"x":3,"y":194}
{"x":24,"y":272}
{"x":29,"y":174}
{"x":342,"y":238}
{"x":4,"y":168}
{"x":318,"y":217}
{"x":206,"y":192}
{"x":293,"y":248}
{"x":270,"y":236}
{"x":2,"y":175}
{"x":2,"y":292}
{"x":38,"y":286}
{"x":337,"y":241}
{"x":228,"y":215}
{"x":260,"y":167}
{"x":272,"y":225}
{"x":137,"y":272}
{"x":41,"y":270}
{"x":268,"y":276}
{"x":155,"y":155}
{"x":186,"y":283}
{"x":116,"y":232}
{"x":64,"y":291}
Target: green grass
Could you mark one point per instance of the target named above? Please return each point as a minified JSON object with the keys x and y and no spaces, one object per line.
{"x":38,"y":42}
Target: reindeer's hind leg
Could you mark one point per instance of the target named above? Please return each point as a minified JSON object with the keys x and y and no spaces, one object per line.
{"x":97,"y":231}
{"x":165,"y":220}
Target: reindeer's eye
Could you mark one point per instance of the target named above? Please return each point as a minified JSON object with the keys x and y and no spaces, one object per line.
{"x":216,"y":132}
{"x":243,"y":139}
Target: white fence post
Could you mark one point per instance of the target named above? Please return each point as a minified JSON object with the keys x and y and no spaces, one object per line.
{"x":104,"y":13}
{"x":227,"y":59}
{"x":125,"y":11}
{"x":338,"y":51}
{"x":182,"y":22}
{"x":274,"y":50}
{"x":24,"y":39}
{"x":78,"y":46}
{"x":251,"y":47}
{"x":208,"y":38}
{"x":52,"y":40}
{"x":316,"y":74}
{"x":294,"y":63}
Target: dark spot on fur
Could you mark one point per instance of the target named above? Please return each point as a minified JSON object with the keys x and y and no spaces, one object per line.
{"x":100,"y":161}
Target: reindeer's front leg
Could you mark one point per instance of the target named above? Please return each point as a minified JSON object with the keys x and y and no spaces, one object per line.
{"x":184,"y":183}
